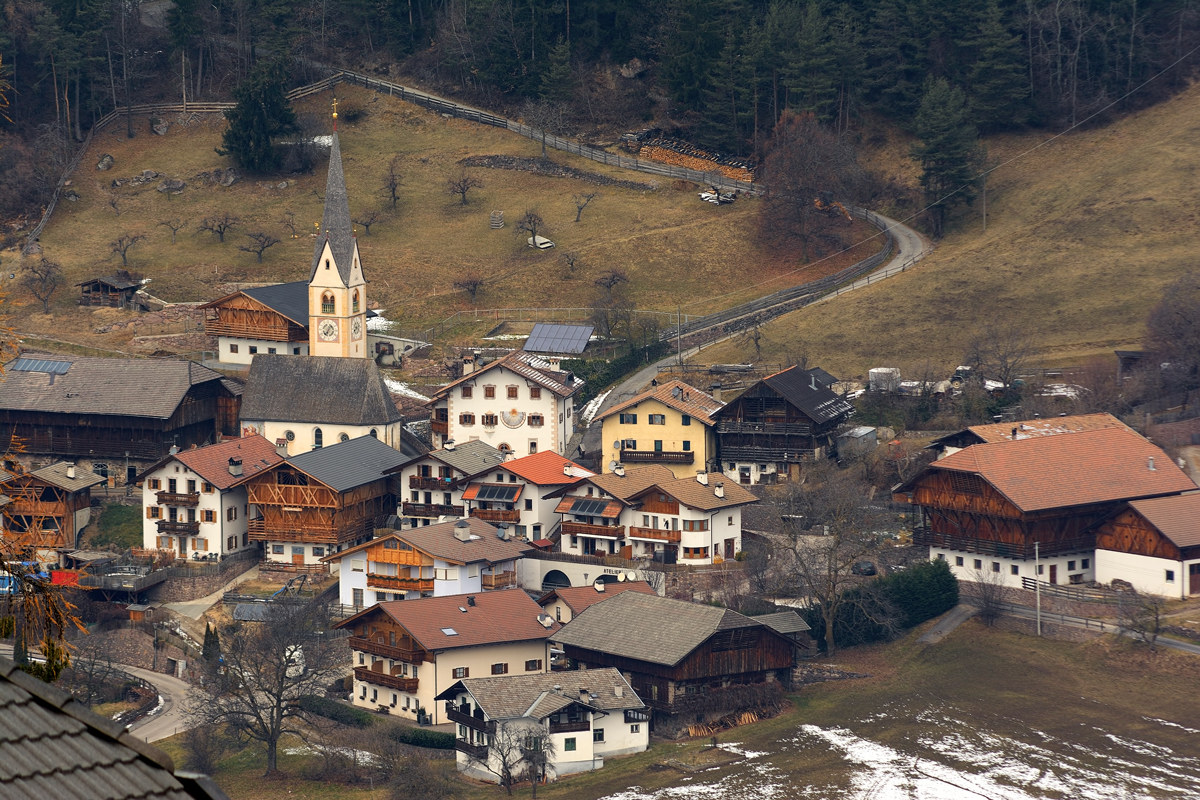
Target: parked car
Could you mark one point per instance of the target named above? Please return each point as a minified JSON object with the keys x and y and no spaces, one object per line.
{"x":863,"y":568}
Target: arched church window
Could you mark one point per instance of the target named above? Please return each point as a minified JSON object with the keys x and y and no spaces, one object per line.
{"x":374,"y":433}
{"x":354,"y":309}
{"x":327,"y":304}
{"x":318,"y":439}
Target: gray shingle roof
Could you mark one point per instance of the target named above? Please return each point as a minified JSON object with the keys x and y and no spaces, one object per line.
{"x":56,"y":474}
{"x":336,"y":224}
{"x":53,"y":747}
{"x":317,"y":389}
{"x":807,"y":392}
{"x":289,"y":299}
{"x":348,"y":464}
{"x":541,"y":694}
{"x":128,"y":387}
{"x":470,"y":458}
{"x":647,"y":627}
{"x":786,"y":622}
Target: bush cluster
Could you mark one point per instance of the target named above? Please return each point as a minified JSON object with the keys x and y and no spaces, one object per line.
{"x":422,"y":737}
{"x":338,"y":712}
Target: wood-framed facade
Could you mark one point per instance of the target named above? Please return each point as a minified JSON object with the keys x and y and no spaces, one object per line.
{"x":47,"y":508}
{"x":1153,"y":545}
{"x":241,"y":316}
{"x":115,"y":291}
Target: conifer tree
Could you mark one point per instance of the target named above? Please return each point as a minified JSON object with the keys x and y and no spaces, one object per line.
{"x":998,"y":79}
{"x":948,"y":152}
{"x":261,"y":114}
{"x":810,"y":74}
{"x":212,"y":644}
{"x":558,"y":85}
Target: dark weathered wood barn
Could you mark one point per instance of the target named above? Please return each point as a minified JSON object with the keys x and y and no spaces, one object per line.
{"x":114,"y":291}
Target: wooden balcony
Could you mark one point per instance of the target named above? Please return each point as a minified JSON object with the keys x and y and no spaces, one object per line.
{"x":457,"y":714}
{"x":178,"y":526}
{"x":496,"y":514}
{"x":584,"y":529}
{"x":384,"y":679}
{"x":430,"y":482}
{"x":769,"y":428}
{"x":476,"y":751}
{"x":657,"y":456}
{"x":636,"y":532}
{"x":399,"y":583}
{"x":499,"y":581}
{"x":922,"y":535}
{"x":440,"y":426}
{"x":24,"y":506}
{"x":177,"y":498}
{"x":430,"y":510}
{"x":570,"y":727}
{"x":412,"y":656}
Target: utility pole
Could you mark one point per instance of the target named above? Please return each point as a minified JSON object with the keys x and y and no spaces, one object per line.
{"x":1037,"y":585}
{"x":679,"y":334}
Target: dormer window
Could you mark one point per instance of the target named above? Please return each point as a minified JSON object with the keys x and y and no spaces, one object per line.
{"x":354,"y":302}
{"x":328,"y":305}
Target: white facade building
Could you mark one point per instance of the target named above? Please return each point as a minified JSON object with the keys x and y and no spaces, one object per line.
{"x":523,"y":493}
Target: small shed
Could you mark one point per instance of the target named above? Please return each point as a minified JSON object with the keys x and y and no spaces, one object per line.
{"x":115,"y":291}
{"x":858,"y":440}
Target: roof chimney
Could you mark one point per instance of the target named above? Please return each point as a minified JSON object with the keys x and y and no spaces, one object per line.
{"x":619,"y":470}
{"x":702,"y":477}
{"x":281,"y":447}
{"x":470,"y":599}
{"x":1014,"y":434}
{"x":71,"y":471}
{"x":448,"y":444}
{"x":462,"y":530}
{"x":567,"y":469}
{"x":584,"y":695}
{"x":715,"y":391}
{"x":1150,"y":464}
{"x":619,"y":690}
{"x":235,"y":467}
{"x":468,"y":364}
{"x":719,"y":490}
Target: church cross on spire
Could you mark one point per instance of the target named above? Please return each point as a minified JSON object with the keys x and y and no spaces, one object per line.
{"x":334,"y":115}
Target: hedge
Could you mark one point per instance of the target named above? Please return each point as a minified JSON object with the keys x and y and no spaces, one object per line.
{"x":338,"y":712}
{"x":422,"y":737}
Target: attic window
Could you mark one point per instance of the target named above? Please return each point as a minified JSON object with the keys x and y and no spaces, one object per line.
{"x":327,"y":263}
{"x":354,"y":302}
{"x":450,"y":631}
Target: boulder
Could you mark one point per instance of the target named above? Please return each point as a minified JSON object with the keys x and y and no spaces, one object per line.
{"x":172,"y":186}
{"x":105,"y":163}
{"x":227,"y":177}
{"x":159,"y":126}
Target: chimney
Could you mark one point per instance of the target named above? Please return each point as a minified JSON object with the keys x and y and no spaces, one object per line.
{"x":448,"y":444}
{"x":235,"y":467}
{"x":584,"y":695}
{"x":1014,"y":434}
{"x":619,"y":470}
{"x":599,"y":586}
{"x":567,"y":470}
{"x":468,"y":364}
{"x":471,"y":600}
{"x":281,"y":447}
{"x":619,"y":690}
{"x":462,"y":530}
{"x":71,"y":471}
{"x":719,"y":490}
{"x":174,"y":449}
{"x":702,"y":477}
{"x":715,"y":391}
{"x":1150,"y":464}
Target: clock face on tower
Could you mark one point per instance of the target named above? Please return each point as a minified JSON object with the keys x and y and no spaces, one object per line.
{"x":356,"y":328}
{"x":327,"y":330}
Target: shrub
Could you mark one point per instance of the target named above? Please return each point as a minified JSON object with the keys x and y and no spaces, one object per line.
{"x":422,"y":737}
{"x":338,"y":712}
{"x":923,"y":591}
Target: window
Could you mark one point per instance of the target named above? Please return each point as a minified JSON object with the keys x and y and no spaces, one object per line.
{"x":295,"y":351}
{"x":153,"y":512}
{"x":1085,"y":563}
{"x":199,"y":543}
{"x":695,"y":552}
{"x":1170,"y":576}
{"x":1014,"y":569}
{"x":500,"y":669}
{"x":357,"y":565}
{"x":466,"y":419}
{"x":374,"y":434}
{"x":512,"y":392}
{"x":629,"y":444}
{"x":468,"y":391}
{"x":1041,"y":569}
{"x":489,"y":420}
{"x":658,"y":447}
{"x":245,"y":539}
{"x":155,"y":483}
{"x":536,"y":420}
{"x":233,"y":348}
{"x":535,"y":393}
{"x":569,"y":744}
{"x":529,"y":504}
{"x":327,"y":304}
{"x":683,"y":420}
{"x":658,"y":419}
{"x":1070,"y":566}
{"x":102,"y":470}
{"x":532,"y":446}
{"x":318,"y":439}
{"x":271,"y":351}
{"x":489,"y":392}
{"x":995,"y":566}
{"x":231,"y":514}
{"x":276,"y":549}
{"x":207,"y":488}
{"x":533,"y":665}
{"x":635,"y":728}
{"x":208,"y":515}
{"x":354,"y":303}
{"x":289,"y":435}
{"x":191,"y":487}
{"x":462,"y":672}
{"x":627,"y":419}
{"x":687,"y":445}
{"x":598,"y":735}
{"x":958,"y":561}
{"x":231,"y":543}
{"x":253,"y":349}
{"x":695,"y":524}
{"x":318,"y":551}
{"x":978,"y":564}
{"x":343,"y":437}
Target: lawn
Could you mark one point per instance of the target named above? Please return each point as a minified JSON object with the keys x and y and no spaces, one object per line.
{"x":119,"y":525}
{"x":984,"y":713}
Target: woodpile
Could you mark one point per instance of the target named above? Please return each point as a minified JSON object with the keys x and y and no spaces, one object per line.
{"x":682,"y":154}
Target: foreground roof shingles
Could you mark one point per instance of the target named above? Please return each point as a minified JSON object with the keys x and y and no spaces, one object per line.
{"x":52,"y":747}
{"x":1094,"y":466}
{"x":542,"y":694}
{"x":1046,"y":426}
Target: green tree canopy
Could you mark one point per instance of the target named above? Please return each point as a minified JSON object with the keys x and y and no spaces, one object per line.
{"x":261,"y":114}
{"x":948,"y":152}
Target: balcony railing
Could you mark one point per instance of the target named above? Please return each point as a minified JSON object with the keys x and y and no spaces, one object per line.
{"x":413,"y":656}
{"x":430,"y":510}
{"x":584,"y":529}
{"x":570,"y":727}
{"x":177,"y":498}
{"x":657,"y":456}
{"x":403,"y":583}
{"x":636,"y":532}
{"x":496,"y":514}
{"x":785,"y":455}
{"x":770,"y":428}
{"x":177,"y":526}
{"x":384,"y":679}
{"x":457,"y":714}
{"x":477,"y":751}
{"x":990,"y":547}
{"x":428,"y":482}
{"x":440,"y":426}
{"x":499,"y":581}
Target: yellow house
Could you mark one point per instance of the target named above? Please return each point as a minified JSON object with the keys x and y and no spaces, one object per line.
{"x":670,"y":424}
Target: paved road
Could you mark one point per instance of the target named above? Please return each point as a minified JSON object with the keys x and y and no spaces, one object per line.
{"x":949,"y":621}
{"x":195,"y":609}
{"x":1097,"y":625}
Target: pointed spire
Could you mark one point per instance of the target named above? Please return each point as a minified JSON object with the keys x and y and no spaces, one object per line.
{"x":336,"y":227}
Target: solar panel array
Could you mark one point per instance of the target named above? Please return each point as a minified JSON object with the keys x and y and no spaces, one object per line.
{"x":566,"y":339}
{"x":585,"y":507}
{"x":504,"y":494}
{"x":40,"y":365}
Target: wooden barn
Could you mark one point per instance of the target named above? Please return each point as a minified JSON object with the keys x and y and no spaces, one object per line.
{"x":323,"y":501}
{"x":267,"y":319}
{"x":47,"y":508}
{"x":688,"y":662}
{"x":114,"y":291}
{"x":999,"y":507}
{"x":1154,"y":545}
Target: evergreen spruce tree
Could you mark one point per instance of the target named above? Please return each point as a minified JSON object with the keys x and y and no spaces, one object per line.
{"x":895,"y":47}
{"x":949,"y":150}
{"x":558,"y":85}
{"x":998,"y":82}
{"x":212,"y":644}
{"x":261,"y":114}
{"x":810,"y":74}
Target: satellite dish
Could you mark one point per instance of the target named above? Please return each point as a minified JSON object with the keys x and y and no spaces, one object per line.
{"x":612,"y":465}
{"x":631,"y":575}
{"x":620,"y":577}
{"x":617,"y":444}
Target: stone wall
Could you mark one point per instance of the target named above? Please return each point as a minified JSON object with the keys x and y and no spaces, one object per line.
{"x":175,"y":590}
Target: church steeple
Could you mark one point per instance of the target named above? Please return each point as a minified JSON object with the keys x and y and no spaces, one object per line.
{"x":337,"y":297}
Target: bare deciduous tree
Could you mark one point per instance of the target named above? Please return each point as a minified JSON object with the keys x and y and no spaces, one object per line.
{"x":259,"y":243}
{"x":42,"y":278}
{"x":367,"y":219}
{"x":393,"y":180}
{"x":530,"y":222}
{"x":289,"y":222}
{"x":114,"y":201}
{"x":581,"y":202}
{"x":517,"y":749}
{"x":1141,"y":616}
{"x":1000,"y":352}
{"x":219,"y":225}
{"x":175,"y":224}
{"x":547,"y":116}
{"x":569,"y":260}
{"x":461,"y":184}
{"x":1173,"y":336}
{"x":120,"y":246}
{"x":470,"y":283}
{"x":418,"y":776}
{"x":610,"y":279}
{"x":988,"y":592}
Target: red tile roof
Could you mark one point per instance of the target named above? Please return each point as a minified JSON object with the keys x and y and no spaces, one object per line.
{"x":212,"y":462}
{"x":578,"y":598}
{"x":635,"y":480}
{"x":546,"y":469}
{"x":439,"y":623}
{"x":1177,"y":517}
{"x":690,"y":401}
{"x":1059,"y":471}
{"x":1047,"y":426}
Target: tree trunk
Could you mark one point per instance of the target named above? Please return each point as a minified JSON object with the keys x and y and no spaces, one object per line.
{"x":272,"y":756}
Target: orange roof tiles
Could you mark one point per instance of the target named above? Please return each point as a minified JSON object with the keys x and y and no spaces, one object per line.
{"x":635,"y":480}
{"x":1177,"y":518}
{"x":690,"y":401}
{"x":578,"y":598}
{"x":439,"y":541}
{"x":1048,"y":426}
{"x":1093,"y":466}
{"x":212,"y":462}
{"x":546,"y":468}
{"x":694,"y":494}
{"x":441,"y":623}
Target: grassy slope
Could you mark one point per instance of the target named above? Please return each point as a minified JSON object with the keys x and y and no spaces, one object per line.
{"x":1082,"y":236}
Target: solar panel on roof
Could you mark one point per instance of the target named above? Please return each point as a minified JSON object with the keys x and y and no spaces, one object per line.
{"x":547,"y":338}
{"x":500,"y":493}
{"x":589,"y":508}
{"x":40,"y":365}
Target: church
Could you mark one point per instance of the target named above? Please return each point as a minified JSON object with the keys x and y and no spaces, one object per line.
{"x":323,"y":316}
